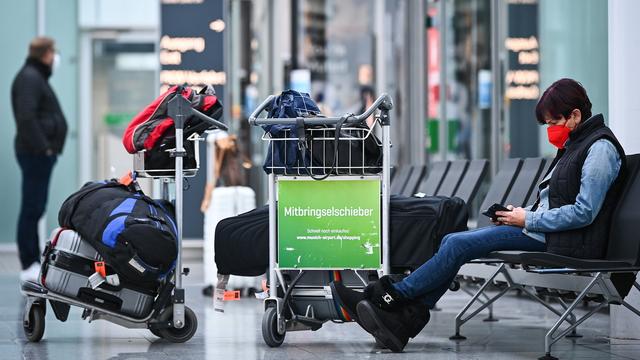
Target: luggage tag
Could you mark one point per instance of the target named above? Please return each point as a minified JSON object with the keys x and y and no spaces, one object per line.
{"x":231,"y":295}
{"x":95,"y":280}
{"x":100,"y":268}
{"x":127,"y":179}
{"x":113,"y":280}
{"x":220,"y":292}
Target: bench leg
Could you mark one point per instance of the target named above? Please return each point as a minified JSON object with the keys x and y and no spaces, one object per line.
{"x":630,"y":307}
{"x":461,"y":320}
{"x":572,"y":320}
{"x":489,"y":318}
{"x":550,"y":339}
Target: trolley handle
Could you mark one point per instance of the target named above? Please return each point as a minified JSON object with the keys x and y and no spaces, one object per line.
{"x":383,"y":102}
{"x":179,"y":109}
{"x":209,"y":120}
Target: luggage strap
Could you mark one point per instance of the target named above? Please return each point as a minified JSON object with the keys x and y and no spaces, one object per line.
{"x":302,"y":146}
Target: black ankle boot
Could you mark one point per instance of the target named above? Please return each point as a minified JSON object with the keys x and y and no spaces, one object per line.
{"x":382,"y":294}
{"x":389,"y":317}
{"x":347,"y":298}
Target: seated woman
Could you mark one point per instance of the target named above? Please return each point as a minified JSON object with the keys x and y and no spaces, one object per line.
{"x":570,"y":217}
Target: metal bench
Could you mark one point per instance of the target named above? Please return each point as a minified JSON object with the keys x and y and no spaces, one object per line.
{"x":400,"y":178}
{"x":467,"y":183}
{"x":460,"y":178}
{"x":607,"y":281}
{"x":417,"y":172}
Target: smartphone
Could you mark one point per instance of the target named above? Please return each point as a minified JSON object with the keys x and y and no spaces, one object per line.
{"x":491,"y":211}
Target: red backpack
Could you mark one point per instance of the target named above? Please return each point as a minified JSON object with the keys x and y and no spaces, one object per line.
{"x":153,"y":124}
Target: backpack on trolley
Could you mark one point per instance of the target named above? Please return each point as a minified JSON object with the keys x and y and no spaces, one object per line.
{"x":317,"y":151}
{"x":152,"y":130}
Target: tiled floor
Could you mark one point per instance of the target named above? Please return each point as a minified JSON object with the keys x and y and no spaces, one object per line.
{"x":236,"y":335}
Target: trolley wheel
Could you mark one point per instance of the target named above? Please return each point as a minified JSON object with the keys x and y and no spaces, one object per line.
{"x":270,"y":328}
{"x":35,"y":329}
{"x":177,"y":335}
{"x":455,"y":285}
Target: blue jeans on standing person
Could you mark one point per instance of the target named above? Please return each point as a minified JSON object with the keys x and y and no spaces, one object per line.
{"x":36,"y":173}
{"x":431,"y":280}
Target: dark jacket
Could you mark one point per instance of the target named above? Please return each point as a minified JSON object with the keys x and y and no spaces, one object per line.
{"x":40,"y":123}
{"x":589,"y":242}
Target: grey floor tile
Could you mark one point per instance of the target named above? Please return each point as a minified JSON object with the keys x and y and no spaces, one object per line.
{"x":236,"y":334}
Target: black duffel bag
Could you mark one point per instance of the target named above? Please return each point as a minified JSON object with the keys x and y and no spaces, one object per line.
{"x":159,"y":157}
{"x":135,"y":234}
{"x":242,"y":243}
{"x":361,"y":155}
{"x":417,"y":226}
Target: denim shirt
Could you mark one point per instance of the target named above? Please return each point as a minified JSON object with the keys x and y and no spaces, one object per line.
{"x":599,"y":171}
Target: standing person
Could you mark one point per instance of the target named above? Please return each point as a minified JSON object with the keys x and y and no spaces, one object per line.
{"x":41,"y":132}
{"x":227,"y":196}
{"x":571,"y":217}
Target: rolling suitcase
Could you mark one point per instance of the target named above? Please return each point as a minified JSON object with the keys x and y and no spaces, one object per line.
{"x":70,"y":261}
{"x":226,"y":202}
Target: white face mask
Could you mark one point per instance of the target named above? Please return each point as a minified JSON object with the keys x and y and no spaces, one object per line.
{"x":56,"y":62}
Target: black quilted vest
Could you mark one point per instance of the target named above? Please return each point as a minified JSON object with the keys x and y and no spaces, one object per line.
{"x":589,"y":242}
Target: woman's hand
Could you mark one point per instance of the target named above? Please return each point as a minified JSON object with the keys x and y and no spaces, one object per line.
{"x":515,"y":217}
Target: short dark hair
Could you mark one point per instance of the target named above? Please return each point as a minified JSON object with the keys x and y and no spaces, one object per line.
{"x":39,"y":46}
{"x":561,"y":98}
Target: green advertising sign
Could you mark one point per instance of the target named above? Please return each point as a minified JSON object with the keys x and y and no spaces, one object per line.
{"x":330,"y":224}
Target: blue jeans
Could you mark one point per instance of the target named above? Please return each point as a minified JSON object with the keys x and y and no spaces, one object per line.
{"x":431,"y":280}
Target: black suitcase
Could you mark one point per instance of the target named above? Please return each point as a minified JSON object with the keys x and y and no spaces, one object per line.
{"x":417,"y":226}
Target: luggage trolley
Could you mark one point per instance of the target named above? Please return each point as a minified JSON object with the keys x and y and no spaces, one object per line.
{"x":319,"y":231}
{"x":164,"y":313}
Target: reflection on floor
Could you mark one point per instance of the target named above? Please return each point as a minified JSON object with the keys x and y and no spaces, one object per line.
{"x":236,"y":335}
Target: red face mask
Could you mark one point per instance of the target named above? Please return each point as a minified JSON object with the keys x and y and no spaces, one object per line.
{"x":558,"y":135}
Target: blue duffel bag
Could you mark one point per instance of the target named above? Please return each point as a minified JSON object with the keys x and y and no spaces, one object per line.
{"x":135,"y":234}
{"x":282,"y":154}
